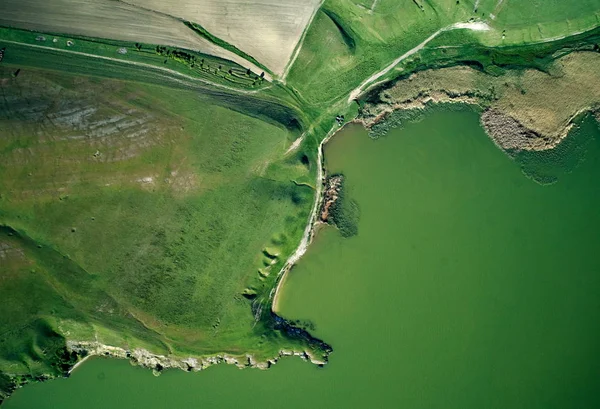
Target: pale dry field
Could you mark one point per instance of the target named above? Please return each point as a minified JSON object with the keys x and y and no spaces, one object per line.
{"x":109,"y":19}
{"x":268,"y":30}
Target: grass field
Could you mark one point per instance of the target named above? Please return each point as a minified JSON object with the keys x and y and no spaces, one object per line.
{"x":158,"y":202}
{"x":363,"y":40}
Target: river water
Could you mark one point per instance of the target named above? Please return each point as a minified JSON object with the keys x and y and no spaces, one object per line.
{"x":468,"y":286}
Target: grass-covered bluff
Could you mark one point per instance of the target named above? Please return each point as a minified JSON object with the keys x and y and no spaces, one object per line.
{"x":154,"y":210}
{"x":138,"y":216}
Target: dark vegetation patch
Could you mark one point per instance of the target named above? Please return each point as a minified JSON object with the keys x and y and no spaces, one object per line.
{"x":493,"y":61}
{"x":103,"y":246}
{"x":202,"y":32}
{"x":344,"y":212}
{"x":344,"y":30}
{"x":7,"y":386}
{"x":473,"y":64}
{"x":305,"y":160}
{"x":296,"y":330}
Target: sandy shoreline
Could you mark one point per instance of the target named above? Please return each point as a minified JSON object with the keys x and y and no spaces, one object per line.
{"x":79,"y":363}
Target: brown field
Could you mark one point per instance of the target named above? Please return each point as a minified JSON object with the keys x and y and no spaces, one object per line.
{"x":267,"y":30}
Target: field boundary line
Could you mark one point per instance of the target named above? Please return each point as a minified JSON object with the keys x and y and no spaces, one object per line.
{"x":373,"y":6}
{"x":138,"y":64}
{"x":180,"y":20}
{"x":300,"y":43}
{"x":555,"y":38}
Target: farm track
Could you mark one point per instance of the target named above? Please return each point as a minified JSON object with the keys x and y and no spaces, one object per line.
{"x":368,"y":83}
{"x":141,"y":64}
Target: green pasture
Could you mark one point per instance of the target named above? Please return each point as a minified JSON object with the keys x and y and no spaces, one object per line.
{"x":348,"y":41}
{"x":167,"y":231}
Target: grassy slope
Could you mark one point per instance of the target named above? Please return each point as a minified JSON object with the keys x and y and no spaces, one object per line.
{"x":47,"y":297}
{"x":396,"y":27}
{"x":515,"y":14}
{"x":168,"y":221}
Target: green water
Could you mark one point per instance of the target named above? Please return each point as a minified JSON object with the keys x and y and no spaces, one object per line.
{"x":468,"y":286}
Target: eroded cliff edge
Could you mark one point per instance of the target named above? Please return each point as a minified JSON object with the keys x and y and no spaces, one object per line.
{"x":522,"y":109}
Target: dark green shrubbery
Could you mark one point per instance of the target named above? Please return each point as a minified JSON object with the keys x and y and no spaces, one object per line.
{"x":7,"y":386}
{"x":398,"y":118}
{"x":344,"y":213}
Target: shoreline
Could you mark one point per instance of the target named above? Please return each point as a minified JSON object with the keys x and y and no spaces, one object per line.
{"x":418,"y":104}
{"x":78,"y":364}
{"x":313,"y":221}
{"x":158,"y":363}
{"x":504,"y":139}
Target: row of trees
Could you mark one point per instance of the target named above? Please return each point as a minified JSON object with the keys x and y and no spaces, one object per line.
{"x":192,"y":60}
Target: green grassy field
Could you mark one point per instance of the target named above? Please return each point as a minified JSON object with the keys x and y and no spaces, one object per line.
{"x":360,"y":41}
{"x":136,"y":201}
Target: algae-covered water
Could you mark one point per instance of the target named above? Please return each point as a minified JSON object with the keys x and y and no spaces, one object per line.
{"x":467,"y":286}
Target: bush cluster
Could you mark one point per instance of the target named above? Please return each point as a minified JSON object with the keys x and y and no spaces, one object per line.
{"x":344,"y":213}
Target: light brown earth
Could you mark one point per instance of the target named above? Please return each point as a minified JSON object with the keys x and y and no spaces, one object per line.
{"x":537,"y":108}
{"x":267,"y":30}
